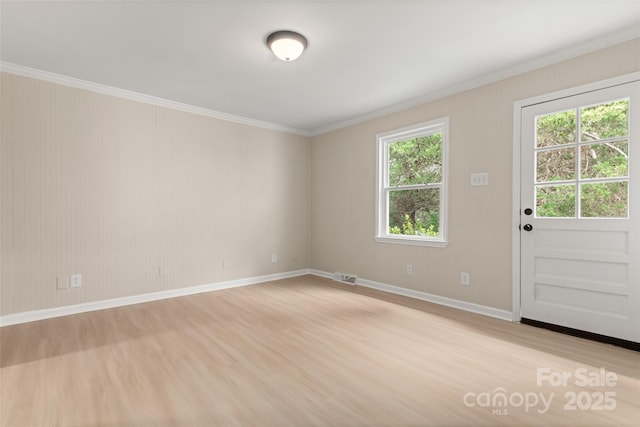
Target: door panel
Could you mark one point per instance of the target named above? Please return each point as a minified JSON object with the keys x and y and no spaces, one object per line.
{"x":579,"y":176}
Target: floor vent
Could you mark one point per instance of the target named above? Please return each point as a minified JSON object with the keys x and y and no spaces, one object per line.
{"x":345,"y":278}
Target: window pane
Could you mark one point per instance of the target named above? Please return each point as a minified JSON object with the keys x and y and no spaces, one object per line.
{"x":556,"y":165}
{"x":606,"y":200}
{"x":556,"y":201}
{"x":415,"y":212}
{"x":604,"y":160}
{"x":416,"y":161}
{"x":609,"y":120}
{"x":556,"y":129}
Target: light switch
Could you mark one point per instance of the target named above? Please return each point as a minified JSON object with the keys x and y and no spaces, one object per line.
{"x":479,"y":179}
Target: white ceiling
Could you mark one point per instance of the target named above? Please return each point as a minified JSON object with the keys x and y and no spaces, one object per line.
{"x":364,"y":57}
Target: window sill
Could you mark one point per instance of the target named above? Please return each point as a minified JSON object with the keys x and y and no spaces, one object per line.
{"x":412,"y":241}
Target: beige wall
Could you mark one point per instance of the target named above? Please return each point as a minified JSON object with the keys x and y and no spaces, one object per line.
{"x":117,"y":190}
{"x":481,"y":138}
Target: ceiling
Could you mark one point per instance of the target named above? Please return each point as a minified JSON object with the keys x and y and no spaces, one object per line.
{"x":364,"y":57}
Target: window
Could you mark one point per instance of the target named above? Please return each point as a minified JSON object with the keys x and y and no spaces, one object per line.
{"x":582,"y":158}
{"x":412,"y":185}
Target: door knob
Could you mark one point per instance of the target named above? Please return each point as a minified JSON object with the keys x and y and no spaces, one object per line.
{"x":528,"y":227}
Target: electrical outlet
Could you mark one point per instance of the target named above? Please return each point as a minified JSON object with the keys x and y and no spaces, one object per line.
{"x":75,"y":280}
{"x":409,"y":269}
{"x":274,"y":258}
{"x":464,"y":279}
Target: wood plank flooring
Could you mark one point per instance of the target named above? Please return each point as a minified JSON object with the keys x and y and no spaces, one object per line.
{"x":306,"y":352}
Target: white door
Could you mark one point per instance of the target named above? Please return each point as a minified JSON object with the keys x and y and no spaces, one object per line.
{"x":580,"y":212}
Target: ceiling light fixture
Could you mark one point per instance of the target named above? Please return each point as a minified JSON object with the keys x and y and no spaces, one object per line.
{"x":287,"y":45}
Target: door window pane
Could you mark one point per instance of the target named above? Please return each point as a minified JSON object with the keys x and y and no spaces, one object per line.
{"x":604,"y":160}
{"x":556,"y":201}
{"x":556,"y":165}
{"x":556,"y":129}
{"x":601,"y":155}
{"x":604,"y":200}
{"x":603,"y":121}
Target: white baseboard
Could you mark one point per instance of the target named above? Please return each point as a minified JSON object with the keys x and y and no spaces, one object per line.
{"x":320,"y":273}
{"x":30,"y":316}
{"x":449,"y":302}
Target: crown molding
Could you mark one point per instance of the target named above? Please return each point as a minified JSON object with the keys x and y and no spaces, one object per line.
{"x":20,"y":70}
{"x":543,"y":61}
{"x":540,"y":62}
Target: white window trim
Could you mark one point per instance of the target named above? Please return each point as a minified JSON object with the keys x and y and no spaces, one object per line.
{"x":382,"y":217}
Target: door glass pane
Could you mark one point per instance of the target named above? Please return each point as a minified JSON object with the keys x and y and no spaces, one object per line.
{"x":415,"y":212}
{"x":556,"y":201}
{"x":602,"y":121}
{"x":556,"y":129}
{"x":556,"y":165}
{"x":604,"y":160}
{"x":605,"y":200}
{"x":416,"y":161}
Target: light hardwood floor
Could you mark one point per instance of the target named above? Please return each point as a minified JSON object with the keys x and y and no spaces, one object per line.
{"x":304,"y":351}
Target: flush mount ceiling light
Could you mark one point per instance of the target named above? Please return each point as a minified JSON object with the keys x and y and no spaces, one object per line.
{"x":287,"y":45}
